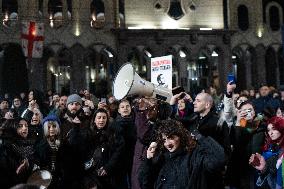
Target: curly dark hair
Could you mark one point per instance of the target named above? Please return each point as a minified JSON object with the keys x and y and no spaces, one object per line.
{"x":172,"y":127}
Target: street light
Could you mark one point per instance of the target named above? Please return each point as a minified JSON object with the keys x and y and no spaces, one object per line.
{"x":182,"y":54}
{"x":214,"y":54}
{"x":110,"y":55}
{"x":148,"y":53}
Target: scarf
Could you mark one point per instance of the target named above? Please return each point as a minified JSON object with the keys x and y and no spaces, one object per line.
{"x":181,"y":113}
{"x":23,"y":148}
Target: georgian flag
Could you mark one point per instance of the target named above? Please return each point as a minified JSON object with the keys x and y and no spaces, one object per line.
{"x":32,"y":39}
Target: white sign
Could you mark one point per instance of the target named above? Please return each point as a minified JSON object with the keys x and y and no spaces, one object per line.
{"x":161,"y":71}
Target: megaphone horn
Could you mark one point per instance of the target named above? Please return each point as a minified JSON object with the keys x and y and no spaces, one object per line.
{"x":128,"y":82}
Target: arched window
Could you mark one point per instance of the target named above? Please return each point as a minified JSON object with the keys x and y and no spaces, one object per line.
{"x":97,"y":13}
{"x":202,"y":69}
{"x":270,"y":65}
{"x":243,"y":18}
{"x":121,"y":14}
{"x":10,"y":11}
{"x":54,"y":6}
{"x":98,"y":70}
{"x":63,"y":70}
{"x":139,"y":61}
{"x":274,"y":18}
{"x":55,"y":13}
{"x":175,"y":10}
{"x":14,"y":74}
{"x":9,"y":6}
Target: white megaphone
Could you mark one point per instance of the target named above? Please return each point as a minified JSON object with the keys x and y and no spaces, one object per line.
{"x":128,"y":82}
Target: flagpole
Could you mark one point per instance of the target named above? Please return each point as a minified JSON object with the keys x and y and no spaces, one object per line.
{"x":28,"y":65}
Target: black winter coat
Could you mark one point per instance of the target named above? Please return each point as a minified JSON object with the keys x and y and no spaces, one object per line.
{"x":244,"y":142}
{"x":45,"y":158}
{"x":208,"y":126}
{"x":126,"y":127}
{"x":11,"y":156}
{"x":182,"y":170}
{"x":109,"y":151}
{"x":43,"y":154}
{"x":74,"y":155}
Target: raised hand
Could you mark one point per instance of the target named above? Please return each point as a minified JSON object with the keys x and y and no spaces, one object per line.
{"x":151,"y":150}
{"x":23,"y":166}
{"x":231,"y":87}
{"x":257,"y":161}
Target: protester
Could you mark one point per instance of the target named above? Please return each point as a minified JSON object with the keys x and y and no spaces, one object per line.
{"x":75,"y":154}
{"x":46,"y":149}
{"x":73,"y":116}
{"x":17,"y":105}
{"x":109,"y":151}
{"x":148,"y":112}
{"x":4,"y":107}
{"x":17,"y":155}
{"x":247,"y":137}
{"x":182,"y":106}
{"x":265,"y":100}
{"x":280,"y":112}
{"x":176,"y":160}
{"x":35,"y":98}
{"x":269,"y":164}
{"x":124,"y":122}
{"x":206,"y":121}
{"x":59,"y":108}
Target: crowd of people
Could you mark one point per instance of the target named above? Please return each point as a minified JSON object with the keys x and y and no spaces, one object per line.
{"x":196,"y":141}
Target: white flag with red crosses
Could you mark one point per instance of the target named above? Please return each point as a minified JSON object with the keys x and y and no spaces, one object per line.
{"x":32,"y":39}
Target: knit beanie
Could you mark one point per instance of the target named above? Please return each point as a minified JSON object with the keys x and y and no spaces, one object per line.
{"x":74,"y":98}
{"x":51,"y":117}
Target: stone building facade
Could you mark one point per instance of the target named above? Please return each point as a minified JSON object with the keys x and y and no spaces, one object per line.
{"x":87,"y":41}
{"x":257,"y":48}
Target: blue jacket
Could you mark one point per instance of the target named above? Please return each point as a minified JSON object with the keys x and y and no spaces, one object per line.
{"x":263,"y":102}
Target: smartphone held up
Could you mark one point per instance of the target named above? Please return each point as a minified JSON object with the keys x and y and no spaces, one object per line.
{"x":231,"y":78}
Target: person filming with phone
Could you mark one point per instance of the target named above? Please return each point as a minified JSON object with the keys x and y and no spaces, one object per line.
{"x":247,"y":137}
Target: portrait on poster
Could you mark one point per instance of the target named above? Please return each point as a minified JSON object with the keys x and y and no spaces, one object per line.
{"x":161,"y":71}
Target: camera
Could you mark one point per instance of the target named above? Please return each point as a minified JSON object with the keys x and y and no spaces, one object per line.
{"x":182,"y":95}
{"x":249,"y":114}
